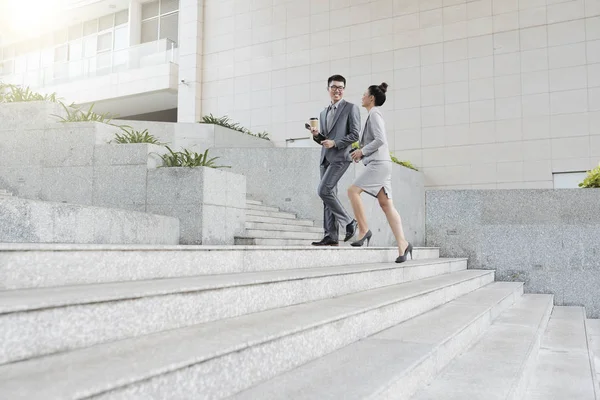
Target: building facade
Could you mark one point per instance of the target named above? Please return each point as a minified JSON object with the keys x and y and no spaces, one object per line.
{"x":483,"y":93}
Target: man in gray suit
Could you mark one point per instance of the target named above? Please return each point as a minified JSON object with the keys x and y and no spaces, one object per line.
{"x":340,"y":127}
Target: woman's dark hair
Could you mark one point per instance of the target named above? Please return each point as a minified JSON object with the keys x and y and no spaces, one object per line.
{"x":379,"y":93}
{"x":337,"y":78}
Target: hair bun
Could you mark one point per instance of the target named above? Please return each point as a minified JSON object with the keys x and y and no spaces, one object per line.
{"x":383,"y":87}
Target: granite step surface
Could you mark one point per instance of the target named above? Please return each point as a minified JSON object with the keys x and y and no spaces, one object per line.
{"x":284,"y":234}
{"x":276,"y":220}
{"x":35,"y":322}
{"x":261,"y":208}
{"x":220,"y":358}
{"x":501,"y":363}
{"x":593,"y":333}
{"x":563,"y":369}
{"x":272,"y":214}
{"x":282,"y":227}
{"x":394,"y":363}
{"x":47,"y":265}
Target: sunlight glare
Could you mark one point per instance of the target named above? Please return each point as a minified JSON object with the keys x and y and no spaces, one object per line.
{"x":31,"y":16}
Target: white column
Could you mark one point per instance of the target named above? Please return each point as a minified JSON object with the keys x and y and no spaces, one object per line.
{"x":135,"y":22}
{"x":189,"y":97}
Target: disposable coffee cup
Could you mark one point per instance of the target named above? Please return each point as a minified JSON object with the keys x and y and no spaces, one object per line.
{"x":314,"y":123}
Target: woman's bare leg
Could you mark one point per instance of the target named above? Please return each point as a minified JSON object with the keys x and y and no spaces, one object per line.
{"x":359,"y":210}
{"x":387,"y":205}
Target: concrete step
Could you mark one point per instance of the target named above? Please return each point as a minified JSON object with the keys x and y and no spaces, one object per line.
{"x":251,"y":241}
{"x":593,"y":332}
{"x":276,"y":220}
{"x":220,"y":358}
{"x":563,"y":369}
{"x":33,"y":221}
{"x":282,"y":227}
{"x":29,"y":265}
{"x":397,"y":361}
{"x":499,"y":365}
{"x":36,"y":322}
{"x":254,"y":202}
{"x":256,"y":207}
{"x":5,"y":193}
{"x":272,"y":214}
{"x":268,"y":234}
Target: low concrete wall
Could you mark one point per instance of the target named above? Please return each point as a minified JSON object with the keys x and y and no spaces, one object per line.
{"x":196,"y":137}
{"x":30,"y":221}
{"x":288,"y":178}
{"x":210,"y":203}
{"x":550,"y":239}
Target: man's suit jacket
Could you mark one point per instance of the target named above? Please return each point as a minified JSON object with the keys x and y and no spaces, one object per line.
{"x":373,"y":140}
{"x":344,"y":131}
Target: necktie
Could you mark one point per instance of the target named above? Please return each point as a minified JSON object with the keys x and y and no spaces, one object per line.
{"x":330,"y":115}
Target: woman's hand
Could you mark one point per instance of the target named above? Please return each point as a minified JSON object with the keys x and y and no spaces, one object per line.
{"x":357,"y":155}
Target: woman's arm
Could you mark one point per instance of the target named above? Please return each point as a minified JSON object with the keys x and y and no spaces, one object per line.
{"x":377,"y":126}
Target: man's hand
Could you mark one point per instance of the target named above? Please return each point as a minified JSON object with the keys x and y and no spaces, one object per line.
{"x":314,"y":131}
{"x":328,"y":143}
{"x":356,"y":155}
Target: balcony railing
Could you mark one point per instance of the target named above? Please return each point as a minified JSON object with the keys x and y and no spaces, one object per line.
{"x":148,"y":54}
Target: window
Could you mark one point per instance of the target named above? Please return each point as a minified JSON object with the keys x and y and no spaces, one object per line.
{"x":168,"y":27}
{"x":160,"y":20}
{"x":150,"y":31}
{"x":61,"y":53}
{"x":107,"y":22}
{"x":75,"y":50}
{"x":105,"y":42}
{"x":75,"y":32}
{"x":122,"y":17}
{"x":90,"y":27}
{"x":121,"y":38}
{"x":89,"y":46}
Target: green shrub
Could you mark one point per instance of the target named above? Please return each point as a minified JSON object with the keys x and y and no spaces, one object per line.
{"x":406,"y":164}
{"x":17,"y":94}
{"x":131,"y":135}
{"x":228,"y":123}
{"x":189,"y":159}
{"x":74,"y":114}
{"x":592,"y":180}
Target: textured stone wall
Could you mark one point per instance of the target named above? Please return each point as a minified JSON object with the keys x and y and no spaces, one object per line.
{"x":550,"y":239}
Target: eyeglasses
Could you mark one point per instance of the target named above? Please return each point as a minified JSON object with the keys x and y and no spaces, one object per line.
{"x":336,"y":88}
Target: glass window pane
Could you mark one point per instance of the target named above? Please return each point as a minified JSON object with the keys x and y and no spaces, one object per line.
{"x":60,"y":37}
{"x":47,"y":57}
{"x":20,"y":64}
{"x":75,"y":32}
{"x":75,"y":69}
{"x":75,"y":50}
{"x":167,"y":6}
{"x":150,"y":10}
{"x":121,"y":17}
{"x":105,"y":41}
{"x":150,"y":31}
{"x":33,"y":61}
{"x":90,"y":27}
{"x":9,"y":53}
{"x":60,"y":53}
{"x":107,"y":22}
{"x":6,"y":67}
{"x":89,"y":46}
{"x":168,"y":27}
{"x":103,"y":62}
{"x":121,"y":38}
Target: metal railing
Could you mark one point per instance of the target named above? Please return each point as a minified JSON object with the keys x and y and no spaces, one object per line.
{"x":147,"y":54}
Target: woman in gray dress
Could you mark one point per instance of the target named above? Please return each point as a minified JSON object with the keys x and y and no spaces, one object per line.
{"x":376,"y":179}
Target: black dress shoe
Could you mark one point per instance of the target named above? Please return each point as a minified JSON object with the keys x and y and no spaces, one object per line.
{"x":351,"y":230}
{"x":326,"y":241}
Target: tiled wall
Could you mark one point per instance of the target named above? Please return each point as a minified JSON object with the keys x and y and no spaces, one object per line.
{"x":483,"y":94}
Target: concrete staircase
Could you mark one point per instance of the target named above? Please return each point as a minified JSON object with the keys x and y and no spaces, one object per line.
{"x":268,"y":226}
{"x":5,"y":193}
{"x":158,"y":322}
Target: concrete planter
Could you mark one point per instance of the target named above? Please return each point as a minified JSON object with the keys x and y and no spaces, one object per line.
{"x":210,"y":203}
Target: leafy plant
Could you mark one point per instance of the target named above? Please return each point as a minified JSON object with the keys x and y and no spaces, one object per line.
{"x":406,"y":164}
{"x":189,"y":159}
{"x":592,"y":180}
{"x":74,"y":114}
{"x":16,"y":94}
{"x":131,"y":135}
{"x":226,"y":122}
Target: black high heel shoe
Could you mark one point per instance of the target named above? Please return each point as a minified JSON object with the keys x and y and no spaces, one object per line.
{"x":360,"y":242}
{"x":402,"y":258}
